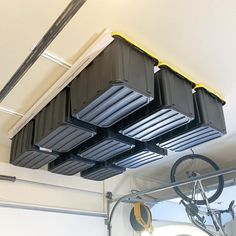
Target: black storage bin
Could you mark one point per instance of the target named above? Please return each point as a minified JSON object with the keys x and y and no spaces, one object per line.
{"x":119,"y":81}
{"x":172,"y":107}
{"x":69,"y":164}
{"x":102,"y":171}
{"x":56,"y":129}
{"x":142,"y":154}
{"x":208,"y":124}
{"x":105,"y":145}
{"x":23,"y":152}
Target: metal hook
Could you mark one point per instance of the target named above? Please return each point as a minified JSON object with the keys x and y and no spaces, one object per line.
{"x":192,"y":151}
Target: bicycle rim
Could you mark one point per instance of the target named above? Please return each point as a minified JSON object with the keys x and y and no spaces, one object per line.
{"x":191,"y":166}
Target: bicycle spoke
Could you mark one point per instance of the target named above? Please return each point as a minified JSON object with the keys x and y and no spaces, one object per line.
{"x":197,"y":193}
{"x":191,"y":166}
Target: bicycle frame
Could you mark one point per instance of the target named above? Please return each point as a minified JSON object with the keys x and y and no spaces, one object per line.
{"x":215,"y":215}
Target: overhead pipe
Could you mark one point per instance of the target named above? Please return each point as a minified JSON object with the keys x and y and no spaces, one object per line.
{"x":8,"y":178}
{"x":50,"y":35}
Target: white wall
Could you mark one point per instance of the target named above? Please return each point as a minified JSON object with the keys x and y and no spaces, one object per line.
{"x":44,"y":188}
{"x":39,"y":187}
{"x":17,"y":222}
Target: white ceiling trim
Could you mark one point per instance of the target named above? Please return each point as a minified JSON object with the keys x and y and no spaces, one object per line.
{"x":10,"y":112}
{"x":50,"y":56}
{"x":101,"y":42}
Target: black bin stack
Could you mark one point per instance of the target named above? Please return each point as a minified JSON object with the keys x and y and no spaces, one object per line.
{"x":172,"y":107}
{"x":102,"y":171}
{"x":118,"y":82}
{"x":25,"y":154}
{"x":208,"y":124}
{"x":57,"y":130}
{"x":69,"y":164}
{"x":142,"y":154}
{"x":105,"y":145}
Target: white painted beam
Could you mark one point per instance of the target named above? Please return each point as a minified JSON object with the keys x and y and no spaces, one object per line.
{"x":102,"y":41}
{"x":10,"y":111}
{"x":58,"y":60}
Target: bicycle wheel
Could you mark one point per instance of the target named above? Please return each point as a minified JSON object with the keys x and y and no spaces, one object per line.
{"x":191,"y":166}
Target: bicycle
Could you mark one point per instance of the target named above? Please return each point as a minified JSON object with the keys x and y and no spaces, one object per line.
{"x":200,"y":192}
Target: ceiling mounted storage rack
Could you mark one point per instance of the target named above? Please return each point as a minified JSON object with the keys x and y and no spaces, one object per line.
{"x":118,"y":82}
{"x":102,"y":171}
{"x":208,"y":124}
{"x":172,"y":107}
{"x":69,"y":164}
{"x":56,"y":129}
{"x":114,"y":114}
{"x":25,"y":154}
{"x":105,"y":145}
{"x":142,"y":154}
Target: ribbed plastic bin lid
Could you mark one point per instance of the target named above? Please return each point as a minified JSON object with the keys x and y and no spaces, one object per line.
{"x":208,"y":124}
{"x":172,"y":107}
{"x":23,"y":152}
{"x":57,"y":130}
{"x":102,"y":171}
{"x":142,"y":154}
{"x":105,"y":145}
{"x":69,"y":164}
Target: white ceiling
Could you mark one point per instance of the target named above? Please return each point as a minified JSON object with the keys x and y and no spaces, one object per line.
{"x":197,"y":37}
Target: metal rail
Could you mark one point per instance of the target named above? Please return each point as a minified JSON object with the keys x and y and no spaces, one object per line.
{"x":34,"y":207}
{"x":8,"y":178}
{"x":158,"y":189}
{"x":50,"y":35}
{"x":14,"y":179}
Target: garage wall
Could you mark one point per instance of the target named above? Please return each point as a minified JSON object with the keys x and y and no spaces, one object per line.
{"x":72,"y":193}
{"x":17,"y":222}
{"x":43,"y":188}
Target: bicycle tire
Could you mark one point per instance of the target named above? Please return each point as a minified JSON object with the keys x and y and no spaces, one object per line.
{"x":220,"y":178}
